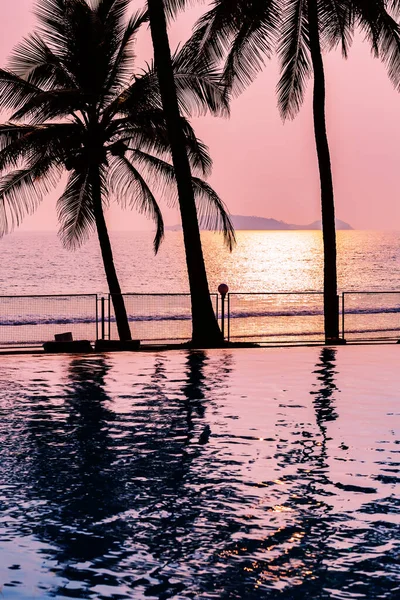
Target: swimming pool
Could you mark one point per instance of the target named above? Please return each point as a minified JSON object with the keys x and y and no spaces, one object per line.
{"x":246,"y":473}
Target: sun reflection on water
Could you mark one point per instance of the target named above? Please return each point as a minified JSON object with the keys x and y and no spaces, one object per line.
{"x":268,"y":263}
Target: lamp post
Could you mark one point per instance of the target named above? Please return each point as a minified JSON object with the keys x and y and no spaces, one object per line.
{"x":223,"y":290}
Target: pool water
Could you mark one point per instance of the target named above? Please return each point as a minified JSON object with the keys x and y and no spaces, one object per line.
{"x":254,"y":473}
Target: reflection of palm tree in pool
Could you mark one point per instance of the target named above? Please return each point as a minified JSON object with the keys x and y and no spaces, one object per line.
{"x":110,"y":477}
{"x":170,"y":422}
{"x":314,"y":523}
{"x":295,"y":547}
{"x":113,"y":475}
{"x":90,"y":421}
{"x":194,"y":387}
{"x":306,"y":447}
{"x":178,"y":469}
{"x":72,"y":458}
{"x":324,"y":397}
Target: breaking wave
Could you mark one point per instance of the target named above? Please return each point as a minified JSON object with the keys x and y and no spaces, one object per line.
{"x":32,"y":320}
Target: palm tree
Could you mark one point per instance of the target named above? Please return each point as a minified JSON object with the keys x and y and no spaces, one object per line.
{"x":245,"y":32}
{"x":206,"y":331}
{"x":76,"y":107}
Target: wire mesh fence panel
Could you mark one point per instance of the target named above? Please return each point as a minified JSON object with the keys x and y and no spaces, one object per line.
{"x":33,"y":320}
{"x":371,"y":315}
{"x":156,"y":318}
{"x":166,"y":318}
{"x":285,"y":317}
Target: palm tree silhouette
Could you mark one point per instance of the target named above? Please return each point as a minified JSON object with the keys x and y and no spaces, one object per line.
{"x":244,"y":32}
{"x":205,"y":327}
{"x":76,"y":106}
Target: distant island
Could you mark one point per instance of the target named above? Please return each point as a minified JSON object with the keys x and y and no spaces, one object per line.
{"x":241,"y":222}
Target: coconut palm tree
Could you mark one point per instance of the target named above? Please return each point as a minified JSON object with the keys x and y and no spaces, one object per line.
{"x":76,"y":107}
{"x":245,"y":32}
{"x":206,"y":331}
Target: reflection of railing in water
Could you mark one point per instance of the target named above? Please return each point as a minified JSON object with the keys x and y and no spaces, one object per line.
{"x":161,"y":318}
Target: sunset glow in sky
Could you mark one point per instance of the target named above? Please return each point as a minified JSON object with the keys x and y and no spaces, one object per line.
{"x":266,"y":168}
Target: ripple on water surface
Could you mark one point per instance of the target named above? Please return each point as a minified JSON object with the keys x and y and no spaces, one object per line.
{"x":222,"y":474}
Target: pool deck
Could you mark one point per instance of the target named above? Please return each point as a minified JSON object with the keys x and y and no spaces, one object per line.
{"x":38,"y":349}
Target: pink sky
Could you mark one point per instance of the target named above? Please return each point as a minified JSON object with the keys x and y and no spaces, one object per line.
{"x":266,"y":168}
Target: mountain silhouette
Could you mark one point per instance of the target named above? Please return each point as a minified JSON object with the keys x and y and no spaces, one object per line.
{"x":241,"y":222}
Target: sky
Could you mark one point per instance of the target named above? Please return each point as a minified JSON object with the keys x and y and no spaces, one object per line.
{"x":268,"y":168}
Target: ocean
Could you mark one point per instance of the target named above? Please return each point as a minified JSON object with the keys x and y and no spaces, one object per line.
{"x":263,"y":261}
{"x":265,"y":272}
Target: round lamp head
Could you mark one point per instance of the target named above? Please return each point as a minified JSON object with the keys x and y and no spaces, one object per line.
{"x":223,"y":289}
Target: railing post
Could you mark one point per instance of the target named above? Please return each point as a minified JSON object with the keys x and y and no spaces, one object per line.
{"x":229,"y":317}
{"x":223,"y":290}
{"x":102,"y":319}
{"x":223,"y":316}
{"x":343,"y":315}
{"x":97,"y":317}
{"x":109,"y":316}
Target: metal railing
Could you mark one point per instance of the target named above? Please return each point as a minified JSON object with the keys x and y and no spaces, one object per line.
{"x":166,"y":318}
{"x":33,"y":320}
{"x":370,"y":315}
{"x":153,"y":318}
{"x":275,"y":317}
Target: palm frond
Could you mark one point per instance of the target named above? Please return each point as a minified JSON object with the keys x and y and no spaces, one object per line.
{"x":10,"y":133}
{"x":211,"y":209}
{"x":336,"y":24}
{"x":142,"y":95}
{"x":254,"y":41}
{"x":131,"y":190}
{"x":120,"y":73}
{"x":111,"y":11}
{"x":19,"y":142}
{"x":21,"y":191}
{"x":76,"y":34}
{"x":393,"y":7}
{"x":383,"y":34}
{"x":15,"y":92}
{"x":75,"y":210}
{"x":35,"y":62}
{"x":294,"y":55}
{"x":174,"y":7}
{"x":52,"y":19}
{"x":199,"y":86}
{"x":198,"y":153}
{"x":214,"y":33}
{"x":112,"y":39}
{"x":147,"y":131}
{"x":51,"y":104}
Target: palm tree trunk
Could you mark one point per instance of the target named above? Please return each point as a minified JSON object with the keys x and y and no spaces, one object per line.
{"x":331,"y":304}
{"x":121,"y":316}
{"x":206,"y":331}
